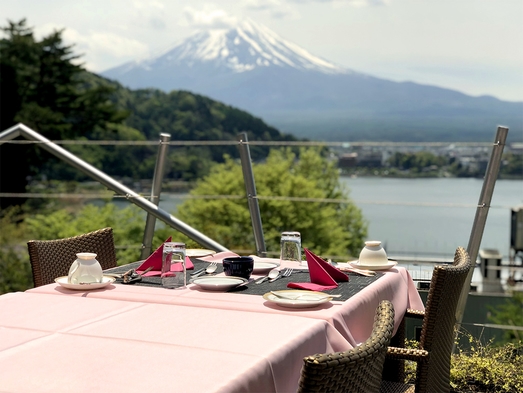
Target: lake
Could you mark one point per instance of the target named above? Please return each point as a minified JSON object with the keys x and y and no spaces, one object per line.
{"x":431,"y":217}
{"x":425,"y":217}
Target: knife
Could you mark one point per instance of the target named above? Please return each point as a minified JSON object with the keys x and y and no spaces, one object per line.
{"x":197,"y":271}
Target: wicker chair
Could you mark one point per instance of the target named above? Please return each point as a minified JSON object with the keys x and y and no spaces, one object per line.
{"x":356,"y":370}
{"x":52,"y":258}
{"x":437,"y":332}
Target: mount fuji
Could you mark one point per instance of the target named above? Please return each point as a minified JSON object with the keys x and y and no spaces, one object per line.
{"x":250,"y":67}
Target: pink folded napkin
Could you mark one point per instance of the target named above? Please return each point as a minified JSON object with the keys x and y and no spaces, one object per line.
{"x":155,"y":260}
{"x":323,"y":276}
{"x":218,"y":257}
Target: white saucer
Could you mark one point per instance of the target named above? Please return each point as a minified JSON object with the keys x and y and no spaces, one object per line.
{"x":263,"y":267}
{"x":218,"y":283}
{"x":106,"y":280}
{"x":389,"y":265}
{"x":197,"y":252}
{"x":298,"y":298}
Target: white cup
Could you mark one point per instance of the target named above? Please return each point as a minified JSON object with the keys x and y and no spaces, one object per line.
{"x":373,"y":254}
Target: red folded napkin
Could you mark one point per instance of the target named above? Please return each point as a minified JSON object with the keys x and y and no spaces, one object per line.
{"x":155,"y":260}
{"x":323,"y":275}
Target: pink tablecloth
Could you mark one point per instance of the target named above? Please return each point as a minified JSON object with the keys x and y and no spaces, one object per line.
{"x":87,"y":344}
{"x":352,"y":318}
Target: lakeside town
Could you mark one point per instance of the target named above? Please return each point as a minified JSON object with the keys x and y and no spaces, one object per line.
{"x":438,"y":160}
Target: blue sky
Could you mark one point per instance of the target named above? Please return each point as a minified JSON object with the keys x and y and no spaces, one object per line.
{"x":473,"y":46}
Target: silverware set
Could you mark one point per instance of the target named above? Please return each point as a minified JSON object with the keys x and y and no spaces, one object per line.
{"x":284,"y":273}
{"x":207,"y":270}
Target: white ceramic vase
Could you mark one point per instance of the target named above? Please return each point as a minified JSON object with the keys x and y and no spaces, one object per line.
{"x":373,"y":254}
{"x":85,"y":269}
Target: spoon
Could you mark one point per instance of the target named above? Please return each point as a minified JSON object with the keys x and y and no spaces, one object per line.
{"x":208,"y":270}
{"x":272,"y":274}
{"x":211,"y":268}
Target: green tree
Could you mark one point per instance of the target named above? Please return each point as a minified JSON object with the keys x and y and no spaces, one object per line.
{"x":510,"y":314}
{"x":329,"y":229}
{"x":127,"y":226}
{"x":512,"y":165}
{"x":15,"y":270}
{"x":41,"y":86}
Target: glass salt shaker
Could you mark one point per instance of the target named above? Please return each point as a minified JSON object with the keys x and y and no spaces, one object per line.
{"x":291,"y":246}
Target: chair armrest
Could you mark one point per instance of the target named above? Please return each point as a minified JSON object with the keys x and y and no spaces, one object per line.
{"x":416,"y":355}
{"x":417,"y":314}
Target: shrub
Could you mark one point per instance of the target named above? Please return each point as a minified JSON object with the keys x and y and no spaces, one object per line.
{"x":487,"y":368}
{"x":481,"y":368}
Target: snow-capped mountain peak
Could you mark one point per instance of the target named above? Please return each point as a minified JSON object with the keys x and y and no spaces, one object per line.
{"x":241,"y":48}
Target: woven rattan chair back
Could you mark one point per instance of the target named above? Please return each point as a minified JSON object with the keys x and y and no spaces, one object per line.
{"x":356,"y":370}
{"x":52,"y":258}
{"x":437,"y":331}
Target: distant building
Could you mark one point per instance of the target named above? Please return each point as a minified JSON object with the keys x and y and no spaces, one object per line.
{"x":371,"y":159}
{"x":348,"y":160}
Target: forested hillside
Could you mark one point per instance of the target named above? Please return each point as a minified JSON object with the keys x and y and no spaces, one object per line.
{"x":187,"y":117}
{"x":43,"y":86}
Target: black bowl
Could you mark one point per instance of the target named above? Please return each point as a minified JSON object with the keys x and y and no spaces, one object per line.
{"x":238,"y":266}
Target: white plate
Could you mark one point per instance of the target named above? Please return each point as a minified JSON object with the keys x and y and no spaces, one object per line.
{"x":390,"y":264}
{"x":263,"y":267}
{"x":106,"y":280}
{"x":302,"y":298}
{"x":218,"y":283}
{"x":197,"y":252}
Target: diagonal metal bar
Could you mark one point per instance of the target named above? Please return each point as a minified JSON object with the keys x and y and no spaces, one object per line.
{"x":482,"y":210}
{"x":250,"y":188}
{"x":156,"y":189}
{"x":109,"y":182}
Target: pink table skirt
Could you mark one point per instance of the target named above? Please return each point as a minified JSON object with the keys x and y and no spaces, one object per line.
{"x":88,"y":344}
{"x":352,"y":318}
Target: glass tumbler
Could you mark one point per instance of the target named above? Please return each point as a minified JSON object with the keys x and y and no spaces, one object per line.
{"x":291,"y":246}
{"x":173,"y":265}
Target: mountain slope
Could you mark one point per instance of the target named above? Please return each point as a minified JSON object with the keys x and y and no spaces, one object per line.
{"x":252,"y":68}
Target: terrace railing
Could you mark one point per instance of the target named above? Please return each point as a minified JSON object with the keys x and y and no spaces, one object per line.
{"x":154,"y":212}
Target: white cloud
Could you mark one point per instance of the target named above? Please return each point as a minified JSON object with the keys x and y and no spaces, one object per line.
{"x":99,"y":50}
{"x":261,"y":4}
{"x":275,"y":8}
{"x":116,"y":45}
{"x":208,"y":17}
{"x":140,"y":4}
{"x":338,"y":3}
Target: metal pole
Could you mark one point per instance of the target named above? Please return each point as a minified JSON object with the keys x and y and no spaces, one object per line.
{"x":481,"y":213}
{"x":112,"y":184}
{"x":250,"y":188}
{"x":156,"y":189}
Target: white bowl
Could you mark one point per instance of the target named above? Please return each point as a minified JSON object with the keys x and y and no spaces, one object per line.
{"x":373,"y":254}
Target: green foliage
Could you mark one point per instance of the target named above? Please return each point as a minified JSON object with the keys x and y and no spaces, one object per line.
{"x":41,"y":87}
{"x":187,"y":116}
{"x":329,"y":229}
{"x":15,"y":269}
{"x":481,"y":368}
{"x":416,"y":161}
{"x":512,"y":165}
{"x":510,"y":314}
{"x":488,"y":369}
{"x":127,"y":226}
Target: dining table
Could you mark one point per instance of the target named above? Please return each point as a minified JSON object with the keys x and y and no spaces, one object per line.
{"x":142,"y":336}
